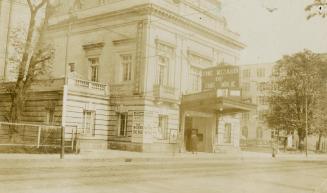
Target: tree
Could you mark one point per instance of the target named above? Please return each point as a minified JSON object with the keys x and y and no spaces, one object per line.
{"x":34,"y":56}
{"x":320,"y":115}
{"x":295,"y":89}
{"x":320,"y":120}
{"x":317,"y":8}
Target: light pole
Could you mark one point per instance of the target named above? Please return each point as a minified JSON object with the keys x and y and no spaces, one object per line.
{"x":70,"y":20}
{"x":5,"y":75}
{"x":63,"y":120}
{"x":306,"y":113}
{"x":306,"y":124}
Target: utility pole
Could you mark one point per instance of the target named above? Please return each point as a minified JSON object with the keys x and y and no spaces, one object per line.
{"x":66,"y":51}
{"x":306,"y":124}
{"x":70,"y":20}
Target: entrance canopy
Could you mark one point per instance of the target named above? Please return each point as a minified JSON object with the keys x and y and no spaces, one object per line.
{"x":212,"y":101}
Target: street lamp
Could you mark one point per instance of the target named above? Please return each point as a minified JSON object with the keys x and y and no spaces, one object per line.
{"x":306,"y":123}
{"x":306,"y":112}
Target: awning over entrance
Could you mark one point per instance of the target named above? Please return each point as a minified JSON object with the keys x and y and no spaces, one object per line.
{"x":211,"y":101}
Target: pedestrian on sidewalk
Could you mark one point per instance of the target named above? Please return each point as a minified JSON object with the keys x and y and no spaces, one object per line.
{"x":285,"y":144}
{"x":194,"y":141}
{"x":274,"y":148}
{"x":301,"y":146}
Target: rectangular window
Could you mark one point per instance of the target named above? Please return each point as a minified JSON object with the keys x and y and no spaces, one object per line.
{"x":245,"y":131}
{"x":259,"y":132}
{"x":94,"y":73}
{"x":260,"y":72}
{"x":71,"y":67}
{"x":245,"y":116}
{"x":163,"y":127}
{"x":163,"y":75}
{"x":165,"y":59}
{"x":262,"y":100}
{"x":122,"y":122}
{"x":89,"y":122}
{"x":275,"y":86}
{"x":196,"y":75}
{"x":247,"y":73}
{"x":275,"y":71}
{"x":262,"y":115}
{"x":261,"y":86}
{"x":246,"y":86}
{"x":228,"y":133}
{"x":94,"y":69}
{"x":126,"y":62}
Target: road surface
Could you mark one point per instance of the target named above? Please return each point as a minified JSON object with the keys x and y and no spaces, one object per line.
{"x":184,"y":176}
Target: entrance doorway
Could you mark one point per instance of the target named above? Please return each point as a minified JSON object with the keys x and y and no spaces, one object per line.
{"x":188,"y":133}
{"x":204,"y":127}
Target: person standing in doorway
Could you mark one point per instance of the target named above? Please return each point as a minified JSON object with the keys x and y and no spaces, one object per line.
{"x":194,"y":141}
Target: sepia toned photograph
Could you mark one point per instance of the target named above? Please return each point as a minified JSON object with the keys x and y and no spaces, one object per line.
{"x":163,"y":96}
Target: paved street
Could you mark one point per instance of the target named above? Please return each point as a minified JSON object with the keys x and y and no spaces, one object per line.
{"x":189,"y":174}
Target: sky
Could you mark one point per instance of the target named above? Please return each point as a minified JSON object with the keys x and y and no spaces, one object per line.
{"x":270,"y":35}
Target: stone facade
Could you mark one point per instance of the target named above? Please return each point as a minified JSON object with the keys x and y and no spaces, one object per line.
{"x":128,"y":65}
{"x":254,"y":81}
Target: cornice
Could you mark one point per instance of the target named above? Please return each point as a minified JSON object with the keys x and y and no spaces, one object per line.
{"x":152,"y":9}
{"x":123,"y":41}
{"x":187,"y":3}
{"x":163,"y":12}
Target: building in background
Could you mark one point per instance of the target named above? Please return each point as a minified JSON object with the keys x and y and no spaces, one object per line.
{"x":254,"y":79}
{"x":129,"y":75}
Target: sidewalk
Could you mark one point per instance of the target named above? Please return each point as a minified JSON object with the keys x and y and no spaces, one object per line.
{"x":125,"y":156}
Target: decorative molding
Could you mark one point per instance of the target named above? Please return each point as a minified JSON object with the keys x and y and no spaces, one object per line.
{"x":93,"y":50}
{"x":158,"y":41}
{"x":190,"y":52}
{"x":123,"y":41}
{"x":163,"y":12}
{"x":155,"y":9}
{"x":93,"y":46}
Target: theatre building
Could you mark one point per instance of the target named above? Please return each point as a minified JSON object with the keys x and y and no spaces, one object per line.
{"x":141,"y":75}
